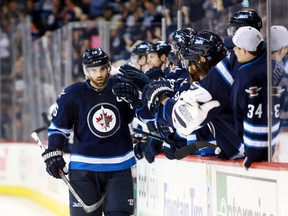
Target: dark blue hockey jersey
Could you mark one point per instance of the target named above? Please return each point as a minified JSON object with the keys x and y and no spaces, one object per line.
{"x":218,"y":83}
{"x":102,"y":140}
{"x":249,"y":100}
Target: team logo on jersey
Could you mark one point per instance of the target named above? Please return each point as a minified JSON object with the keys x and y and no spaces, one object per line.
{"x":104,"y":120}
{"x":253,"y":91}
{"x":277,"y":91}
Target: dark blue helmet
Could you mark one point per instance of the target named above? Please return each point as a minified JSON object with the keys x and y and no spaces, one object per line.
{"x":141,"y":49}
{"x":95,"y":57}
{"x":160,"y":47}
{"x":244,"y":18}
{"x":181,"y":38}
{"x":207,"y":44}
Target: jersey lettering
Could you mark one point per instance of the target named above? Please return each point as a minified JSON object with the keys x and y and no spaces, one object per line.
{"x":252,"y":111}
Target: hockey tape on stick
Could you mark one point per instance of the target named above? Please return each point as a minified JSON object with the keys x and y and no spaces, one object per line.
{"x":189,"y":149}
{"x":87,"y":208}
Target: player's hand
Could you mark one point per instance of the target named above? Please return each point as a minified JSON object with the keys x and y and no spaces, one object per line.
{"x":155,"y":73}
{"x":153,"y":148}
{"x":138,"y":150}
{"x":153,"y":93}
{"x":188,"y":116}
{"x":128,"y":93}
{"x":135,"y":76}
{"x":169,"y":149}
{"x":55,"y":162}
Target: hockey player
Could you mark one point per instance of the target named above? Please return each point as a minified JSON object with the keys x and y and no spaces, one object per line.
{"x":218,"y":82}
{"x":279,"y":48}
{"x":249,"y":96}
{"x":206,"y":50}
{"x":102,"y":156}
{"x":139,"y":56}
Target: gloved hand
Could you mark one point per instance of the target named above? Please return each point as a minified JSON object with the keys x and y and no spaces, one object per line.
{"x":135,"y":76}
{"x":169,"y":149}
{"x":127,"y":92}
{"x":138,"y":150}
{"x":153,"y":92}
{"x":155,"y":73}
{"x":55,"y":162}
{"x":153,"y":148}
{"x":169,"y":146}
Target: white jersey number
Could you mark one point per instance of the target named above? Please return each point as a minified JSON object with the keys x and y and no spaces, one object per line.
{"x":252,"y":111}
{"x":258,"y":112}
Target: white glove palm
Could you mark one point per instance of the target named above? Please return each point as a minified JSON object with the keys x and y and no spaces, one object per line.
{"x":188,"y":114}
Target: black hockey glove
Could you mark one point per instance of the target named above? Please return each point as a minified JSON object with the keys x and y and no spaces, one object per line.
{"x":155,"y":73}
{"x":55,"y":162}
{"x":128,"y":93}
{"x":153,"y":148}
{"x":169,"y":146}
{"x":153,"y":92}
{"x":138,"y":150}
{"x":135,"y":76}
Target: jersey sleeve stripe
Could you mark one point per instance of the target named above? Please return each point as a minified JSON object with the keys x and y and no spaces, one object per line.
{"x":260,"y":129}
{"x":225,"y":73}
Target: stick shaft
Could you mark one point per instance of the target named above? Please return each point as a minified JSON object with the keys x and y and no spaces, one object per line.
{"x":86,"y":208}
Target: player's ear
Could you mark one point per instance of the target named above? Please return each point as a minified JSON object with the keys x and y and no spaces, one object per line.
{"x":202,"y":59}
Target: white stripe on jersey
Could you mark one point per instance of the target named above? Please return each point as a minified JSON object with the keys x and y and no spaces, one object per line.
{"x":221,"y":68}
{"x":99,"y":160}
{"x":260,"y":129}
{"x":256,"y":143}
{"x":63,"y":130}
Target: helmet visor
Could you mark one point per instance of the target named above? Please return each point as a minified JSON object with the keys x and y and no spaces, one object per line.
{"x":231,"y":30}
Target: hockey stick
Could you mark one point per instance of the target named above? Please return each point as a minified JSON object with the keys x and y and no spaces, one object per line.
{"x":189,"y":149}
{"x":152,"y":136}
{"x":87,"y":209}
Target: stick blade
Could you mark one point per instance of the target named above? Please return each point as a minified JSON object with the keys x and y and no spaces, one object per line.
{"x":190,"y":149}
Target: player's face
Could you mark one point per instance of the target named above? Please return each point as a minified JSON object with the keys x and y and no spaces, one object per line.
{"x":153,"y":60}
{"x":98,"y":75}
{"x":240,"y":54}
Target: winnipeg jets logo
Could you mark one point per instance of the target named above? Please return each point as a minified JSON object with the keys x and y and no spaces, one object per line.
{"x":277,"y":91}
{"x":103,"y":120}
{"x":253,"y":91}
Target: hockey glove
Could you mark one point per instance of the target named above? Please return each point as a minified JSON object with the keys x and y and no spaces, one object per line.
{"x":153,"y":148}
{"x":155,"y":73}
{"x":139,"y":149}
{"x":153,"y":92}
{"x":169,"y":147}
{"x":188,"y":113}
{"x":55,"y":162}
{"x":135,"y":76}
{"x":128,"y":93}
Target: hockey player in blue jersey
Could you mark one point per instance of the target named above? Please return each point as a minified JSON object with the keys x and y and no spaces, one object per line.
{"x":249,"y":96}
{"x":205,"y":50}
{"x":279,"y":48}
{"x":102,"y":155}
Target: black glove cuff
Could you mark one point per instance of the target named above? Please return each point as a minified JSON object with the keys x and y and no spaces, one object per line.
{"x":49,"y":153}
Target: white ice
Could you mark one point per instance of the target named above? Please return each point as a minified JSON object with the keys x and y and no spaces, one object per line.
{"x":17,"y":206}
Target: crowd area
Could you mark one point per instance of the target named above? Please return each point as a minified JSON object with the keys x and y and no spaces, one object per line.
{"x":129,"y":22}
